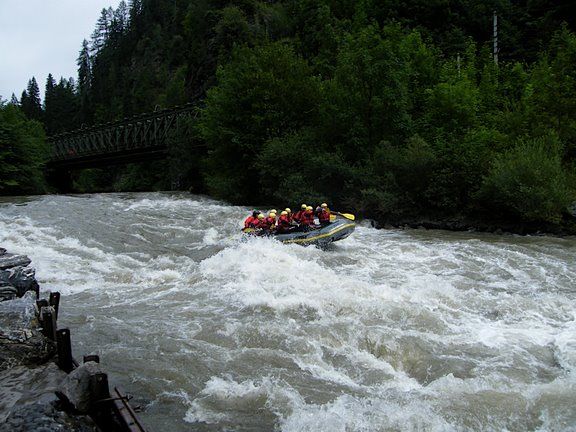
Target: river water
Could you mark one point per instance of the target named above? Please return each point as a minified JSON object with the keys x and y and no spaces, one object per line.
{"x":388,"y":330}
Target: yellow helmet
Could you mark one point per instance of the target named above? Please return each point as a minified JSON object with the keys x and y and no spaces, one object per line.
{"x":309,"y":208}
{"x":284,"y":213}
{"x":287,"y":210}
{"x":273,"y":211}
{"x":324,"y":205}
{"x":260,"y":216}
{"x":272,"y":215}
{"x":303,"y":206}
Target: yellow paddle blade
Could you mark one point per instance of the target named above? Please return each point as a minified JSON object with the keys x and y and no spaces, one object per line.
{"x":348,"y":216}
{"x":332,"y":217}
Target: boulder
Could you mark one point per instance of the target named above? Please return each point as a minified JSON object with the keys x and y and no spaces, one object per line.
{"x":21,"y":342}
{"x":7,"y":292}
{"x":8,"y":260}
{"x":78,"y":389}
{"x":44,"y":417}
{"x":21,"y":278}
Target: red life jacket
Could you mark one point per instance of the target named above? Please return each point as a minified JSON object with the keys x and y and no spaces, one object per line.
{"x":324,"y":215}
{"x":250,"y":221}
{"x":263,"y":224}
{"x":307,"y":218}
{"x":298,"y":216}
{"x":284,"y":221}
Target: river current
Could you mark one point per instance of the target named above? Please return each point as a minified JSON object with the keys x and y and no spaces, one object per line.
{"x":388,"y":330}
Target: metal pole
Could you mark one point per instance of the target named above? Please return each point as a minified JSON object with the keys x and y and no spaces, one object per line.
{"x":495,"y":36}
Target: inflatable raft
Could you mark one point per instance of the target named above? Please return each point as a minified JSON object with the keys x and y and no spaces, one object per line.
{"x":339,"y":228}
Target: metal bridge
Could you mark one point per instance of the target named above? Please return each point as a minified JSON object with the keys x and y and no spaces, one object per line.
{"x":142,"y":137}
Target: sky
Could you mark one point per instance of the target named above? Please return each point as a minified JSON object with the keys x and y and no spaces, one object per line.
{"x":38,"y":37}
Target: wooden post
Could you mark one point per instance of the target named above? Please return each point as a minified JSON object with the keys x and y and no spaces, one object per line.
{"x":48,"y":319}
{"x":55,"y":302}
{"x":99,"y":389}
{"x":65,"y":360}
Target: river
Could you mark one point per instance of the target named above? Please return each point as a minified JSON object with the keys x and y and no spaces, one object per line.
{"x":388,"y":330}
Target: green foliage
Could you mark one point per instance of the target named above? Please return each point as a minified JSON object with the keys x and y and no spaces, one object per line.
{"x":529,"y":182}
{"x":142,"y":177}
{"x":93,"y":180}
{"x":376,"y":89}
{"x":263,"y":93}
{"x":23,"y":152}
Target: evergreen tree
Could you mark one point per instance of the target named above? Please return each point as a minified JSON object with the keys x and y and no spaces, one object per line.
{"x":14,"y":100}
{"x":30,"y":101}
{"x":84,"y":82}
{"x":102,"y":30}
{"x":49,"y":104}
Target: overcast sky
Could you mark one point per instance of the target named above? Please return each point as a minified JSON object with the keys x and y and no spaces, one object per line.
{"x":38,"y":37}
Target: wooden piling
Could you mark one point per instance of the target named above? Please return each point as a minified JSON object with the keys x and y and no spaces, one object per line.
{"x":55,"y":302}
{"x":48,"y":319}
{"x":65,"y":360}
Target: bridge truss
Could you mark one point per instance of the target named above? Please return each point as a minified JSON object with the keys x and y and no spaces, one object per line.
{"x":142,"y":137}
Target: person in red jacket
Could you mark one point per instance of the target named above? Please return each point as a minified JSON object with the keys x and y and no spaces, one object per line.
{"x":298,"y":216}
{"x":271,"y":219}
{"x":263,"y":223}
{"x":307,"y":220}
{"x":284,"y":224}
{"x":252,"y":220}
{"x":324,"y":214}
{"x":289,"y":214}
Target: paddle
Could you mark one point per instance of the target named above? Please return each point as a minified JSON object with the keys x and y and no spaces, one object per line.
{"x":346,"y":215}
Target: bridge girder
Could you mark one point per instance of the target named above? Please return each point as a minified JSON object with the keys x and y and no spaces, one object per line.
{"x":142,"y":137}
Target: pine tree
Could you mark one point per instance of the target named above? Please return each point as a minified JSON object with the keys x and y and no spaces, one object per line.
{"x":120,"y":18}
{"x":14,"y":100}
{"x":30,"y":101}
{"x":49,"y":96}
{"x":24,"y":100}
{"x":102,"y":30}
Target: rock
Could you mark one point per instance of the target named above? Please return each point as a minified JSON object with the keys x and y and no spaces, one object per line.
{"x":21,"y":342}
{"x":25,"y":385}
{"x":44,"y":417}
{"x":28,"y":402}
{"x":21,"y":278}
{"x":8,"y":260}
{"x":77,"y":386}
{"x":7,"y":292}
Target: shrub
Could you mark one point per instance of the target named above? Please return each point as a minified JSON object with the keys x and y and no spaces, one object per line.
{"x":529,"y":182}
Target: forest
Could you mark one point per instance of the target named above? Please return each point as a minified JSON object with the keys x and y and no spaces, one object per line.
{"x":396,"y":111}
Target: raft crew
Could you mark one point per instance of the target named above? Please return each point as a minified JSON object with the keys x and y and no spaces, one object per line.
{"x":301,"y":220}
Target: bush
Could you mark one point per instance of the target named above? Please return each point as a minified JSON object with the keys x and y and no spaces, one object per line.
{"x":529,"y":182}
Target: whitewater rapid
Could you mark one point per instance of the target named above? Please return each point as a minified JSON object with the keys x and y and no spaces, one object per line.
{"x":386,"y":330}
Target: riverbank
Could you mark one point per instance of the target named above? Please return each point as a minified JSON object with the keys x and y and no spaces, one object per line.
{"x":42,"y":385}
{"x":466,"y":223}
